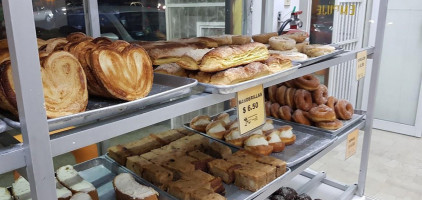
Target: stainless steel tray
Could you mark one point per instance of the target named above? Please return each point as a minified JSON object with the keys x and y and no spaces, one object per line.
{"x":359,"y":114}
{"x":313,"y":60}
{"x":101,"y":172}
{"x":228,"y":89}
{"x":308,"y":141}
{"x":165,"y":88}
{"x":3,"y":126}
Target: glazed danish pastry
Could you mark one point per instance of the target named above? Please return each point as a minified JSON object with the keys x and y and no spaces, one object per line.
{"x":192,"y":59}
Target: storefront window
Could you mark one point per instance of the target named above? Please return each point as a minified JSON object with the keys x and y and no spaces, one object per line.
{"x":321,"y":22}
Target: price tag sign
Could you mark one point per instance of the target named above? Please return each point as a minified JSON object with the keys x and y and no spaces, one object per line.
{"x":250,"y":108}
{"x":361,"y":64}
{"x":287,"y":2}
{"x":352,"y":143}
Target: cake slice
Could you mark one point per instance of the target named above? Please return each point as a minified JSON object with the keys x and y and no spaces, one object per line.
{"x":71,"y":179}
{"x":127,"y":188}
{"x":270,"y":171}
{"x":203,"y":159}
{"x":181,"y":165}
{"x":204,"y":194}
{"x":157,"y":175}
{"x":119,"y":153}
{"x":143,"y":145}
{"x":223,"y":169}
{"x":167,"y":136}
{"x":136,"y":164}
{"x":249,"y":178}
{"x":217,"y":150}
{"x":277,"y":163}
{"x":182,"y":189}
{"x":208,"y":181}
{"x":185,"y":131}
{"x":81,"y":196}
{"x":5,"y":194}
{"x":21,"y":189}
{"x":62,"y":192}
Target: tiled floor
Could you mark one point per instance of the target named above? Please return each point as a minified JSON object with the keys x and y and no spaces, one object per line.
{"x":394,"y":173}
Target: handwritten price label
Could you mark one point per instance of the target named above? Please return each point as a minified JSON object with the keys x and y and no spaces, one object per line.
{"x":361,"y":64}
{"x":250,"y":112}
{"x":352,"y":143}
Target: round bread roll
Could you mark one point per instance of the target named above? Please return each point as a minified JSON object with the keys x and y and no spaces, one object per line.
{"x":299,"y":46}
{"x":263,"y":38}
{"x":315,"y":50}
{"x":282,"y":43}
{"x":295,"y":56}
{"x":297,"y":35}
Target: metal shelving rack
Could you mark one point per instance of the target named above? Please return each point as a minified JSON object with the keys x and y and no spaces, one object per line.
{"x":36,"y":153}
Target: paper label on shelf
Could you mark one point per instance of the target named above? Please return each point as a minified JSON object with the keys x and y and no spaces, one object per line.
{"x":352,"y":143}
{"x":287,"y":2}
{"x":250,"y":108}
{"x":361,"y":64}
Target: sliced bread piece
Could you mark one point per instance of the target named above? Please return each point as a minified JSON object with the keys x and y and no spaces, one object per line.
{"x":81,"y":196}
{"x":5,"y":194}
{"x":21,"y":189}
{"x":127,"y":188}
{"x":71,"y":179}
{"x":62,"y":192}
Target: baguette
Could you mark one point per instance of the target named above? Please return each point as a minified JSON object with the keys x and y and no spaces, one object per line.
{"x":171,"y":69}
{"x":71,"y":179}
{"x":127,"y":188}
{"x":222,"y":58}
{"x":240,"y":74}
{"x":192,"y":59}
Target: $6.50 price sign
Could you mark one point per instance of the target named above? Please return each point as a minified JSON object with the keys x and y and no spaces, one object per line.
{"x":250,"y":108}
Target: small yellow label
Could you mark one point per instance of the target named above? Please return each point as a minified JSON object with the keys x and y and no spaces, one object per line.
{"x":361,"y":64}
{"x":352,"y":143}
{"x":250,"y":108}
{"x":287,"y":2}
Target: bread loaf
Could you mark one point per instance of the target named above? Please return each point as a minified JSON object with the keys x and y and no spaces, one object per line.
{"x":127,"y":188}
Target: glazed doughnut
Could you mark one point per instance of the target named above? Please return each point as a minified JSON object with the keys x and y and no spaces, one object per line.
{"x":344,"y":109}
{"x":299,"y":117}
{"x":320,"y":95}
{"x":303,"y":100}
{"x":331,"y":101}
{"x":267,"y":108}
{"x":308,"y":82}
{"x":322,"y":113}
{"x":314,"y":105}
{"x":274,"y":110}
{"x":334,"y":125}
{"x":290,"y":83}
{"x":272,"y":91}
{"x":289,"y":98}
{"x":280,"y":96}
{"x":285,"y":113}
{"x":282,"y":43}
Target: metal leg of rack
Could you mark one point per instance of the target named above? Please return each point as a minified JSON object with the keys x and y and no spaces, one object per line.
{"x":92,"y":20}
{"x":382,"y":14}
{"x":312,"y":183}
{"x":21,"y":37}
{"x":349,"y":193}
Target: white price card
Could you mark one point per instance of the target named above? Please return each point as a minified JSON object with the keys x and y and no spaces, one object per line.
{"x":361,"y":64}
{"x":352,"y":143}
{"x":250,"y":108}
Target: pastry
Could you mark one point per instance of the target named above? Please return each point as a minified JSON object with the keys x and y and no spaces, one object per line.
{"x":222,"y":40}
{"x":280,"y":95}
{"x":76,"y":37}
{"x":308,"y":82}
{"x":234,"y":137}
{"x":300,"y":116}
{"x":332,"y":125}
{"x":71,"y":179}
{"x":81,"y":196}
{"x":320,"y":95}
{"x":277,"y":63}
{"x":216,"y":129}
{"x":157,"y":175}
{"x":205,"y":181}
{"x":200,"y":123}
{"x":21,"y":189}
{"x":231,"y":56}
{"x":240,"y":74}
{"x":286,"y":135}
{"x":192,"y":59}
{"x":344,"y":109}
{"x":182,"y":165}
{"x":258,"y":144}
{"x":287,"y":193}
{"x":169,"y":52}
{"x":268,"y":127}
{"x":171,"y":69}
{"x":136,"y":164}
{"x":127,"y":188}
{"x":275,"y":110}
{"x":303,"y":100}
{"x":166,"y":137}
{"x":281,"y":43}
{"x":315,"y":50}
{"x":241,"y":39}
{"x":303,"y":197}
{"x":203,"y":77}
{"x":204,"y":194}
{"x":264,"y":37}
{"x":289,"y":98}
{"x":275,"y":141}
{"x":143,"y":145}
{"x":206,"y":41}
{"x":322,"y":113}
{"x":268,"y":108}
{"x":55,"y":44}
{"x":5,"y":194}
{"x":224,"y":117}
{"x":294,"y":56}
{"x":272,"y":93}
{"x":297,"y":35}
{"x":217,"y":150}
{"x":62,"y":192}
{"x":119,"y":153}
{"x":299,"y":46}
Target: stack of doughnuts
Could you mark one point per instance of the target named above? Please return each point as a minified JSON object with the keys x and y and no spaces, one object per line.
{"x":305,"y":101}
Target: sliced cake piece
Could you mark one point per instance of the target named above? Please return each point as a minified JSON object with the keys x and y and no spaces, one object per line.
{"x":143,"y":145}
{"x":205,"y":194}
{"x":5,"y":194}
{"x":223,"y":169}
{"x":208,"y":181}
{"x":119,"y":153}
{"x":168,"y":136}
{"x":21,"y":189}
{"x":157,"y":175}
{"x":182,"y":189}
{"x":217,"y":150}
{"x":181,"y":165}
{"x":81,"y":196}
{"x":62,"y":192}
{"x":203,"y":159}
{"x":277,"y":163}
{"x":249,"y":178}
{"x":136,"y":164}
{"x":127,"y":188}
{"x":71,"y":179}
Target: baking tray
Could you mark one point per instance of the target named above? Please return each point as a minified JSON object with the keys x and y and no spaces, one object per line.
{"x":101,"y":172}
{"x":228,"y":89}
{"x":313,"y":60}
{"x":3,"y":126}
{"x":164,"y":88}
{"x":359,"y":114}
{"x":308,"y":141}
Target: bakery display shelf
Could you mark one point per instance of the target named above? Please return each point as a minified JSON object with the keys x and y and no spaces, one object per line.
{"x":101,"y":172}
{"x":310,"y":61}
{"x":3,"y":126}
{"x":299,"y":168}
{"x":12,"y":157}
{"x":164,"y":88}
{"x":359,"y":114}
{"x":227,"y":89}
{"x":308,"y":141}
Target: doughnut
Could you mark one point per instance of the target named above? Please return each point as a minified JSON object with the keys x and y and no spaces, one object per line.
{"x":282,"y":43}
{"x":344,"y":109}
{"x":289,"y":98}
{"x":314,"y":105}
{"x":334,"y":125}
{"x":299,"y":117}
{"x":280,"y":95}
{"x":267,"y":108}
{"x":285,"y":113}
{"x":308,"y":82}
{"x":290,"y":83}
{"x":320,"y":95}
{"x":274,"y":110}
{"x":303,"y":100}
{"x":272,"y":91}
{"x":322,"y":113}
{"x":331,"y":101}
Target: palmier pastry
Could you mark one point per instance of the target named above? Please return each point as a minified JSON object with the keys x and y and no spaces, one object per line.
{"x":315,"y":50}
{"x":331,"y":101}
{"x":303,"y":99}
{"x":257,"y":144}
{"x":263,"y":38}
{"x":200,"y":123}
{"x":322,"y":113}
{"x":55,"y":44}
{"x":290,"y":94}
{"x":268,"y":108}
{"x":275,"y":141}
{"x":308,"y":82}
{"x":297,"y":35}
{"x":286,"y":135}
{"x":320,"y":95}
{"x":282,"y":43}
{"x":272,"y":92}
{"x":281,"y":95}
{"x":76,"y":37}
{"x":171,"y":69}
{"x":274,"y":110}
{"x":344,"y":109}
{"x":285,"y":113}
{"x":299,"y":116}
{"x":216,"y":129}
{"x":333,"y":125}
{"x":234,"y":137}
